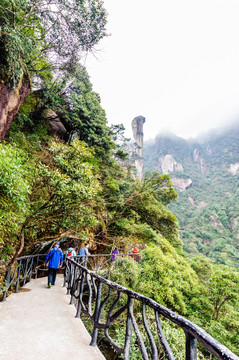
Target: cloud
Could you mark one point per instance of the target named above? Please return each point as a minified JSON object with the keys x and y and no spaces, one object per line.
{"x":174,"y":62}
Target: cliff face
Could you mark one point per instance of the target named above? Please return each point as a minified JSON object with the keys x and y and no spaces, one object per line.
{"x":167,"y":164}
{"x":181,"y":183}
{"x":10,"y":102}
{"x":138,"y":134}
{"x":234,"y":168}
{"x":206,"y":176}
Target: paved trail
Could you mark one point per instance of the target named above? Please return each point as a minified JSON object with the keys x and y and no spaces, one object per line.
{"x":39,"y":324}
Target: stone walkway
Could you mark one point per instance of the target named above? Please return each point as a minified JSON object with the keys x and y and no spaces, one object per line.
{"x":38,"y":323}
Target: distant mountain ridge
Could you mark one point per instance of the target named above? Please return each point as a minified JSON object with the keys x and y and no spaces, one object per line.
{"x":205,"y":175}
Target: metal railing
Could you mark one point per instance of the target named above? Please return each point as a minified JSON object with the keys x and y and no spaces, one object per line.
{"x":99,"y":262}
{"x":28,"y":267}
{"x":94,"y":262}
{"x":25,"y":268}
{"x":105,"y":302}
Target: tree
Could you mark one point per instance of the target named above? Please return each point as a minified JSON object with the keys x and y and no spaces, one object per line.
{"x":83,"y":114}
{"x":161,"y":186}
{"x":223,"y":287}
{"x":47,"y":198}
{"x":135,"y":208}
{"x":75,"y":104}
{"x":32,"y":32}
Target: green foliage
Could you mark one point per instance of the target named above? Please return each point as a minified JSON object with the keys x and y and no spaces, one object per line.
{"x":177,"y":285}
{"x":203,"y":292}
{"x":49,"y":188}
{"x":223,"y":287}
{"x":162,"y":187}
{"x":221,"y":291}
{"x":32,"y":31}
{"x":135,"y":230}
{"x":136,"y":208}
{"x":124,"y":271}
{"x":15,"y":188}
{"x":207,"y":212}
{"x":47,"y":197}
{"x":76,"y":105}
{"x":83,"y":112}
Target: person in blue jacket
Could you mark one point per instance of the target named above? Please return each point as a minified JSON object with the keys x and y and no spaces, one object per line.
{"x":84,"y":253}
{"x":54,"y":260}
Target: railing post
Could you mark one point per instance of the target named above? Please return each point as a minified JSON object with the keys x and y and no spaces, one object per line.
{"x":164,"y":343}
{"x":97,"y":264}
{"x":72,"y":290}
{"x":65,"y":274}
{"x":37,"y":262}
{"x":7,"y":282}
{"x":69,"y":278}
{"x":18,"y":275}
{"x":30,"y":268}
{"x":191,"y":347}
{"x":129,"y":328}
{"x":97,"y":314}
{"x":78,"y":311}
{"x":25,"y":272}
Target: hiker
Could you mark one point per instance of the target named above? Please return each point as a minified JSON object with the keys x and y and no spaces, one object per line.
{"x":84,"y":253}
{"x":70,"y":252}
{"x":114,"y":253}
{"x":135,"y":253}
{"x":54,"y":261}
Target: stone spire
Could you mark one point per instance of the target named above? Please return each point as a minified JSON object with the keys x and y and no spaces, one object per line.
{"x":138,"y":134}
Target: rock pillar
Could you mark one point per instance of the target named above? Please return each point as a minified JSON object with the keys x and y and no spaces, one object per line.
{"x":138,"y":134}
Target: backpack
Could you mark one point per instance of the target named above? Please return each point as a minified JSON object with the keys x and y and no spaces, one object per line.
{"x":69,"y":253}
{"x":81,"y":251}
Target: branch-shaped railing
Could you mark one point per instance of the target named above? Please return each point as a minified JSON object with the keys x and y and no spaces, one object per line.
{"x":105,"y":303}
{"x":26,"y":268}
{"x":95,"y":262}
{"x":100,"y":262}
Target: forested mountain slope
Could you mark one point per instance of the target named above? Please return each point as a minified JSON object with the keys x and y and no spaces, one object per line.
{"x":63,"y":174}
{"x":205,"y":174}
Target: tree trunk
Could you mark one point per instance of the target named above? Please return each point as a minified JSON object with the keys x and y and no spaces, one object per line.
{"x":10,"y":102}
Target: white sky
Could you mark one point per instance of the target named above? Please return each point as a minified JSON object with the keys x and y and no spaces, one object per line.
{"x":176,"y":62}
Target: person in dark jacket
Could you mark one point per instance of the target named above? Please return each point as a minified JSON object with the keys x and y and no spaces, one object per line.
{"x":54,"y":260}
{"x":114,"y":253}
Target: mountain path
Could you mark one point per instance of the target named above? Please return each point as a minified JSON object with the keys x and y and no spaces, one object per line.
{"x":38,"y":323}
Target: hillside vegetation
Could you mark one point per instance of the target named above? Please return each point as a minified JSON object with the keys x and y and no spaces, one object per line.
{"x":207,"y":210}
{"x":63,"y":172}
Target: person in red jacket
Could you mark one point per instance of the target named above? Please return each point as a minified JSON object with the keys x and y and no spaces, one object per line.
{"x":135,"y":253}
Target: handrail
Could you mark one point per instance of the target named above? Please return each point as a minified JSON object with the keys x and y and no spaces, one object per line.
{"x":28,"y":266}
{"x":25,"y":268}
{"x":85,"y":286}
{"x":97,"y":262}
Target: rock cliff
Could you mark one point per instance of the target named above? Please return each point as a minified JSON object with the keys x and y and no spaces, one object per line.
{"x":181,"y":183}
{"x":137,"y":153}
{"x":234,"y":168}
{"x":167,"y":164}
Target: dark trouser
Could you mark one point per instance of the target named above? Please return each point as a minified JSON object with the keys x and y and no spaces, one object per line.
{"x":52,"y":276}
